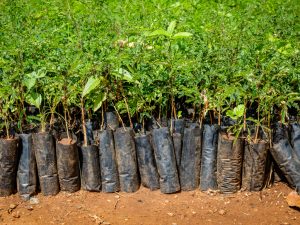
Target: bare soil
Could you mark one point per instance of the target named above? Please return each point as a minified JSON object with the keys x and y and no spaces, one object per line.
{"x":151,"y":207}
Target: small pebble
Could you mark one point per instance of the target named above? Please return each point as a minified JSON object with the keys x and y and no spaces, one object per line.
{"x":16,"y":214}
{"x":34,"y":201}
{"x":29,"y":208}
{"x":13,"y":206}
{"x":222,"y":212}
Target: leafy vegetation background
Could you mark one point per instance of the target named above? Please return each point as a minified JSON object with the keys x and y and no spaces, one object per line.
{"x":93,"y":52}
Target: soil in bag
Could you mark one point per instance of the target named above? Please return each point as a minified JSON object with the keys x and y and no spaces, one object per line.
{"x":8,"y":166}
{"x":108,"y":163}
{"x":190,"y":159}
{"x":295,"y":138}
{"x":27,"y":174}
{"x":126,"y":159}
{"x":229,"y":163}
{"x":254,"y":165}
{"x":68,"y":165}
{"x":44,"y":150}
{"x":90,"y":168}
{"x":285,"y":157}
{"x":208,"y":176}
{"x":146,"y":162}
{"x":165,"y":160}
{"x":112,"y":121}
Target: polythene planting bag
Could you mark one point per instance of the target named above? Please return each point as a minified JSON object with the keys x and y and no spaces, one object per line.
{"x":208,"y":175}
{"x":126,"y":159}
{"x":45,"y":154}
{"x":229,"y":163}
{"x":68,"y":165}
{"x":90,"y":168}
{"x":146,"y":162}
{"x":287,"y":161}
{"x":285,"y":157}
{"x":254,"y":165}
{"x":108,"y":163}
{"x":178,"y":125}
{"x":177,"y":142}
{"x":165,"y":160}
{"x":295,"y":138}
{"x":112,"y":120}
{"x":89,"y":132}
{"x":27,"y":174}
{"x":190,"y":159}
{"x":8,"y":166}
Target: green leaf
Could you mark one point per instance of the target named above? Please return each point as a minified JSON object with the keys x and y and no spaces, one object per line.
{"x":171,"y":27}
{"x":236,"y":113}
{"x":160,"y":32}
{"x":91,"y":84}
{"x":124,"y":75}
{"x":29,"y":82}
{"x":32,"y":117}
{"x":239,"y":110}
{"x":182,"y":35}
{"x":231,"y":114}
{"x":99,"y":100}
{"x":34,"y":99}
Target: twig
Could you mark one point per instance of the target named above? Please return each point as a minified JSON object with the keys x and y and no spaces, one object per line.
{"x":115,"y":207}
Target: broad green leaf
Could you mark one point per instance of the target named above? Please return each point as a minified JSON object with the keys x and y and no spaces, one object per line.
{"x":160,"y":32}
{"x":99,"y":100}
{"x":182,"y":35}
{"x":91,"y":84}
{"x":171,"y":27}
{"x":29,"y":82}
{"x":32,"y":117}
{"x":231,"y":114}
{"x":239,"y":110}
{"x":35,"y":99}
{"x":236,"y":113}
{"x":124,"y":75}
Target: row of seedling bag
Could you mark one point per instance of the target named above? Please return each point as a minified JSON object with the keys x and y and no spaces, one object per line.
{"x":119,"y":159}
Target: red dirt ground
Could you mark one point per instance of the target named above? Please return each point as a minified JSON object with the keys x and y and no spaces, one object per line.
{"x":146,"y":207}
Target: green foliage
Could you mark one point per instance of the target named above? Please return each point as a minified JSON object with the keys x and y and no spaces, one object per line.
{"x":143,"y":56}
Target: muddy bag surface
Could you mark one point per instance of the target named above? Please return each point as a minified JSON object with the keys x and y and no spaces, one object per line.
{"x":126,"y":160}
{"x":190,"y":159}
{"x":45,"y":154}
{"x":112,"y":121}
{"x":229,"y":163}
{"x":108,"y":162}
{"x":165,"y":160}
{"x":146,"y":162}
{"x":208,"y":176}
{"x":8,"y":166}
{"x":295,"y":138}
{"x":90,"y":168}
{"x":27,"y":174}
{"x":254,"y":165}
{"x":68,"y":165}
{"x":177,"y":142}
